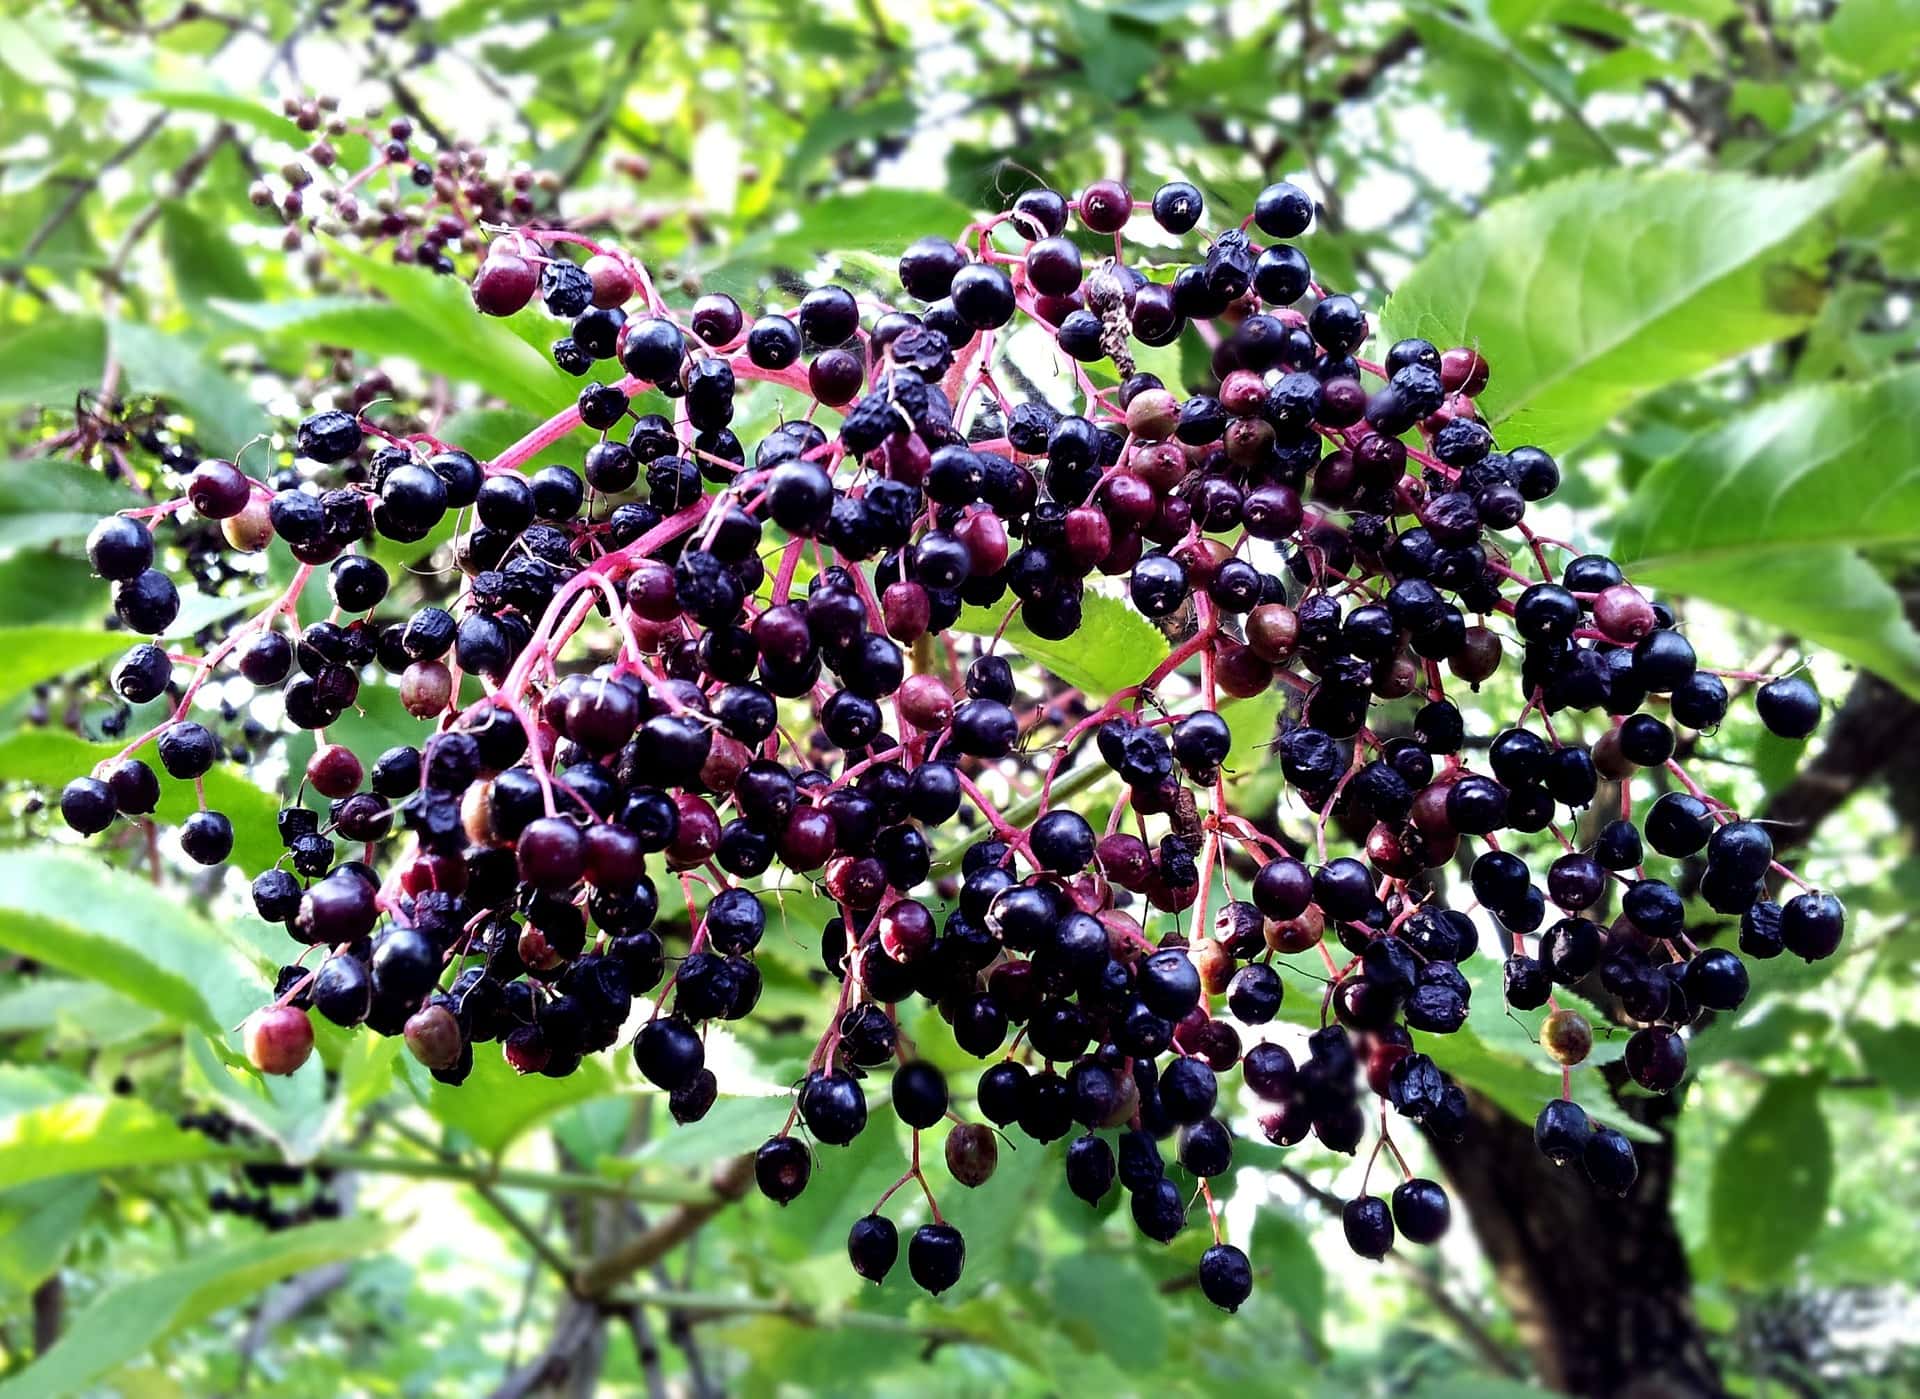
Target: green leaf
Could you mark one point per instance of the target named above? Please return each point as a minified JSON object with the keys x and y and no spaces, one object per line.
{"x":204,"y":259}
{"x":132,"y":1318}
{"x":1874,"y":36}
{"x":1522,"y":1085}
{"x":1290,"y":1267}
{"x":451,"y":337}
{"x":1587,"y":294}
{"x":33,"y":654}
{"x":1251,"y":722}
{"x":1106,"y":1304}
{"x":30,"y":654}
{"x":1891,"y":1054}
{"x":50,"y":758}
{"x":1764,"y":515}
{"x":1114,"y":648}
{"x":1829,"y":596}
{"x":86,"y":1134}
{"x":1771,"y":1179}
{"x":225,"y":417}
{"x":487,"y":432}
{"x":880,"y":222}
{"x":46,"y":498}
{"x":495,"y":1105}
{"x":52,"y":360}
{"x":731,"y":1126}
{"x":84,"y":1011}
{"x":77,"y":915}
{"x":1834,"y":464}
{"x":37,"y":1226}
{"x":243,"y":111}
{"x":837,"y":128}
{"x":484,"y":352}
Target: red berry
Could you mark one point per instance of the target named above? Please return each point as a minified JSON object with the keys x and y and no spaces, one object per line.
{"x":278,"y":1039}
{"x":1105,"y":206}
{"x":504,"y":284}
{"x":335,"y":771}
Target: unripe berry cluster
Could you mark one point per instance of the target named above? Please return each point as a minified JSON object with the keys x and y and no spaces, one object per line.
{"x":1344,"y":531}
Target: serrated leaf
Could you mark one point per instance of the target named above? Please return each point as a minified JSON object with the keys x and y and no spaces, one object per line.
{"x":131,"y":1318}
{"x":175,"y":367}
{"x":43,"y":499}
{"x":89,"y":921}
{"x":1834,"y":464}
{"x":1290,"y":1268}
{"x":52,"y":360}
{"x":50,"y":758}
{"x":88,"y":1134}
{"x":1115,"y":646}
{"x":1771,"y":1179}
{"x":1828,"y":595}
{"x":1589,"y":293}
{"x":1764,"y":515}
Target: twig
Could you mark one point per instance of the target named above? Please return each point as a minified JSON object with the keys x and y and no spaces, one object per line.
{"x":1482,"y":1341}
{"x":509,"y":1177}
{"x":646,"y":1350}
{"x":576,"y":1331}
{"x":598,"y":1276}
{"x":184,"y":179}
{"x":720,"y":1306}
{"x":83,"y":187}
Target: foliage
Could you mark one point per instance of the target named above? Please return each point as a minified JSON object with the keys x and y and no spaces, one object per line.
{"x":1687,"y":238}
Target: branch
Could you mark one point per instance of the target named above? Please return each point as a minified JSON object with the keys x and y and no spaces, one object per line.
{"x":647,"y":1351}
{"x":83,"y":187}
{"x":49,"y":1311}
{"x":721,"y":1306}
{"x":184,"y":179}
{"x":729,"y":1184}
{"x":1478,"y":1337}
{"x":282,"y":1305}
{"x":485,"y":1173}
{"x":575,"y":1332}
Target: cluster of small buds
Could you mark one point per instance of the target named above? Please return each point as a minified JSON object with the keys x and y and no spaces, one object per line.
{"x":427,"y":204}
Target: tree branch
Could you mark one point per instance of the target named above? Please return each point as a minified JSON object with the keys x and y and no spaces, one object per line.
{"x":576,"y":1334}
{"x":87,"y":185}
{"x":1477,"y":1336}
{"x":598,"y":1276}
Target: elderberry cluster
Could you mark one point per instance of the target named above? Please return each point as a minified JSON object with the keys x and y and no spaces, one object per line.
{"x":254,"y":1196}
{"x":682,"y":658}
{"x":424,"y":204}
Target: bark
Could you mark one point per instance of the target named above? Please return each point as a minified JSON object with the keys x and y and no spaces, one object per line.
{"x":1598,"y":1287}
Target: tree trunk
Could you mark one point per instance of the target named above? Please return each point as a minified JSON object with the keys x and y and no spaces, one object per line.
{"x":1598,"y":1287}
